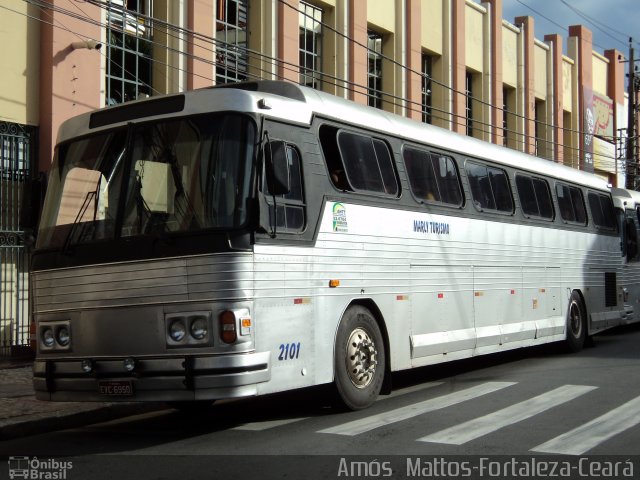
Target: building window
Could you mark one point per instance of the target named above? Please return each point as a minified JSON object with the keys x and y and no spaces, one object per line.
{"x":231,"y":41}
{"x":509,"y":119}
{"x":129,"y":50}
{"x":540,"y":129}
{"x":469,"y":103}
{"x":505,"y":119}
{"x":427,"y":72}
{"x":310,"y":45}
{"x":374,"y":72}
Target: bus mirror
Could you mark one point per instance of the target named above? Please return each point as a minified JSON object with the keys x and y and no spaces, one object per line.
{"x":277,"y":168}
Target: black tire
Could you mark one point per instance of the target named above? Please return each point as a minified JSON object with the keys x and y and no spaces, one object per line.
{"x":359,"y":359}
{"x":576,"y":324}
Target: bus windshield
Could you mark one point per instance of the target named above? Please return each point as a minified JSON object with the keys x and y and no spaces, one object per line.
{"x":170,"y":176}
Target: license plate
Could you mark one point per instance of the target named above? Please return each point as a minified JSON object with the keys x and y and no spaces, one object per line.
{"x":121,"y":388}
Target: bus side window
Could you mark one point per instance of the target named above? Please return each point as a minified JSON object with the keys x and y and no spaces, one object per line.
{"x":631,"y":239}
{"x":368,"y":163}
{"x":571,"y":203}
{"x":535,"y":199}
{"x":433,"y":177}
{"x":329,"y":142}
{"x":602,"y":211}
{"x":290,"y":213}
{"x":489,"y":188}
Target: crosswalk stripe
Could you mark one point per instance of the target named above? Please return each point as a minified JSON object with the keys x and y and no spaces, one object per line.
{"x":582,"y":439}
{"x":259,"y":426}
{"x":374,"y":421}
{"x":266,"y":425}
{"x":478,"y":427}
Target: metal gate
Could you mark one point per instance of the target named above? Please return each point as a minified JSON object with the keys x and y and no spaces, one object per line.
{"x":17,"y":160}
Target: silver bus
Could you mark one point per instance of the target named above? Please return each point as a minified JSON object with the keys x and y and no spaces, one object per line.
{"x":244,"y":240}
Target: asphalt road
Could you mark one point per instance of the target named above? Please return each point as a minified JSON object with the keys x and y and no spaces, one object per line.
{"x":534,"y":403}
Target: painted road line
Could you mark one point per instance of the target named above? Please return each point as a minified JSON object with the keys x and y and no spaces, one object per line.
{"x":582,"y":439}
{"x":492,"y":422}
{"x":366,"y":424}
{"x":259,"y":426}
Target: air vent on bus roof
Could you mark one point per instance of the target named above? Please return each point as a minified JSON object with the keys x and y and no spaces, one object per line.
{"x":132,"y":111}
{"x":274,"y":87}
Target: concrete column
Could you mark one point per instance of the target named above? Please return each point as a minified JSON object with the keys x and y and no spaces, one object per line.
{"x":528,"y":84}
{"x":459,"y":68}
{"x":201,"y":18}
{"x":358,"y":61}
{"x":497,"y":115}
{"x":615,"y":91}
{"x":288,"y":41}
{"x":557,"y":119}
{"x":414,"y":59}
{"x":585,"y":86}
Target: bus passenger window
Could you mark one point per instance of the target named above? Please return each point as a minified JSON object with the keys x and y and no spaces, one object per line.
{"x":432,"y":177}
{"x":602,"y":211}
{"x":571,"y":203}
{"x":489,"y":188}
{"x":367,"y":163}
{"x":534,"y":195}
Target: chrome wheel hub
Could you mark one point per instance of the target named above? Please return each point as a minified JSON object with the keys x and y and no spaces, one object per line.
{"x":361,"y":358}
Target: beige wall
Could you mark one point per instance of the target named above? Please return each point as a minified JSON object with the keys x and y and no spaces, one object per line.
{"x":600,"y":67}
{"x":474,"y":37}
{"x":382,"y":14}
{"x":19,"y":63}
{"x":567,"y":83}
{"x":540,"y":73}
{"x":433,"y":21}
{"x":510,"y":55}
{"x":455,"y":32}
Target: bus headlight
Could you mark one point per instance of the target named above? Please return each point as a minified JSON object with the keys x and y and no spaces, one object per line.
{"x":177,"y":330}
{"x":63,"y":336}
{"x":54,"y":336}
{"x":199,"y":328}
{"x":48,"y":339}
{"x":188,"y":329}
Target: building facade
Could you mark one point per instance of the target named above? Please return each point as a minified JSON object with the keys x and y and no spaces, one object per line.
{"x":457,"y":64}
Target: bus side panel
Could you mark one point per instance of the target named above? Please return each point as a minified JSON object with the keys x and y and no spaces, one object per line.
{"x":285,"y":314}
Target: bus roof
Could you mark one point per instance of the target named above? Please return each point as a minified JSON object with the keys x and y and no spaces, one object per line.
{"x":298,"y":104}
{"x":623,"y":197}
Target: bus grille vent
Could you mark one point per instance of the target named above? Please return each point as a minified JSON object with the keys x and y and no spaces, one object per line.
{"x":610,"y":297}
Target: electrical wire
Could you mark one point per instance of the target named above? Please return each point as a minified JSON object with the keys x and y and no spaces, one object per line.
{"x":339,"y":82}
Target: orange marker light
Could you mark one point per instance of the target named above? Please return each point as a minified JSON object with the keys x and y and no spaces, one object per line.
{"x":334,"y":283}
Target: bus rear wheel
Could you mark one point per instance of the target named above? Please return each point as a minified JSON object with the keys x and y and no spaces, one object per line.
{"x":359,"y":359}
{"x":576,"y":324}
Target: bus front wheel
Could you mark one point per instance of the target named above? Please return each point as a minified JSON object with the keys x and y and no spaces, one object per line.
{"x":576,"y":324}
{"x":359,"y":359}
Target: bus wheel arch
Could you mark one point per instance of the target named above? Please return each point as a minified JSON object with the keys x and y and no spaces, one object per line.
{"x":576,"y":322}
{"x":361,"y":356}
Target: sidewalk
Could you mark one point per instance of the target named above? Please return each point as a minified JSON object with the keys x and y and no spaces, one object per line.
{"x":22,"y":415}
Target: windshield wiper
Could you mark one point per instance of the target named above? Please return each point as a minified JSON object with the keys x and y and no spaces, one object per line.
{"x":93,"y":195}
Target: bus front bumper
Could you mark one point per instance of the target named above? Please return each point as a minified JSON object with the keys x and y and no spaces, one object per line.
{"x":126,"y":379}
